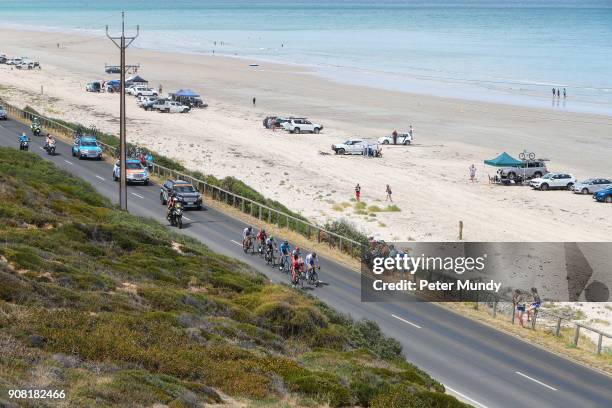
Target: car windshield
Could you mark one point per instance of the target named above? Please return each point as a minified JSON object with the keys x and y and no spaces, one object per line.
{"x":133,"y":166}
{"x":89,"y":143}
{"x":184,"y":189}
{"x":549,"y":175}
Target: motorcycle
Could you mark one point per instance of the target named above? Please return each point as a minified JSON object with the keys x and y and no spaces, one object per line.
{"x":24,"y":145}
{"x":36,"y":130}
{"x":50,"y":148}
{"x":176,"y":215}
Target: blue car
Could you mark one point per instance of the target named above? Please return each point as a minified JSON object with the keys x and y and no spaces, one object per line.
{"x":87,"y":147}
{"x":604,"y":196}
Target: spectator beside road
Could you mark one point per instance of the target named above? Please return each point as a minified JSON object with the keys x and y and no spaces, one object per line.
{"x":394,"y":134}
{"x":518,"y":300}
{"x":357,"y":192}
{"x":472,"y":170}
{"x":536,"y":302}
{"x":389,"y":194}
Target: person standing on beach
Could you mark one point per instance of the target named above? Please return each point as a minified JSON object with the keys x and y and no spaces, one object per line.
{"x":160,"y":90}
{"x":472,"y":173}
{"x":554,"y":92}
{"x":254,"y":101}
{"x":410,"y":131}
{"x":394,"y":134}
{"x":357,"y":192}
{"x":558,"y":93}
{"x":564,"y":93}
{"x":389,"y":194}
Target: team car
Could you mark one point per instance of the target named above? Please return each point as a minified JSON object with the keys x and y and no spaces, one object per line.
{"x":87,"y":147}
{"x":135,"y":172}
{"x":184,"y":191}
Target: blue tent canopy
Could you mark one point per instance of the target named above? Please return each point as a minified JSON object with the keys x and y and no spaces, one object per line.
{"x":186,"y":93}
{"x":503,"y":160}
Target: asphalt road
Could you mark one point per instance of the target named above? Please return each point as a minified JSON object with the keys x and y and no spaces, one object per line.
{"x":478,"y":364}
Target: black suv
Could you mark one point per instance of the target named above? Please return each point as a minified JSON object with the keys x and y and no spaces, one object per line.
{"x":184,"y":191}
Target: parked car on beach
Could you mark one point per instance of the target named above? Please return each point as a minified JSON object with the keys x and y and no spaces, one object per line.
{"x":528,"y":169}
{"x":402,"y":139}
{"x":350,"y":146}
{"x":3,"y":114}
{"x":141,"y":91}
{"x":591,"y":186}
{"x":302,"y":125}
{"x":145,"y":100}
{"x":135,"y":172}
{"x":170,"y":106}
{"x":184,"y":191}
{"x":551,"y":181}
{"x":604,"y":196}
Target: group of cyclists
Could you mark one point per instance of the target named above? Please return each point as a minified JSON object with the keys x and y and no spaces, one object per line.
{"x":289,"y":260}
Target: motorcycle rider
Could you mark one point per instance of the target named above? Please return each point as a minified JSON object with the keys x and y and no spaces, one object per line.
{"x":312,"y":262}
{"x":284,"y":251}
{"x":35,"y":126}
{"x":23,"y":139}
{"x":49,"y":141}
{"x":172,"y":200}
{"x":247,"y":233}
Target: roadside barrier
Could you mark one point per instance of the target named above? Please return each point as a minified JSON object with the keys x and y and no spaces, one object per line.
{"x":245,"y":205}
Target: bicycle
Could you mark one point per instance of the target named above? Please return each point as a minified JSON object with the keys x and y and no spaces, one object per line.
{"x":525,"y":154}
{"x":269,"y":256}
{"x":248,"y":245}
{"x":284,"y":265}
{"x":312,"y":276}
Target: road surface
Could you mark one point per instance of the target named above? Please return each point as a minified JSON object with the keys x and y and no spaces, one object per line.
{"x":476,"y":363}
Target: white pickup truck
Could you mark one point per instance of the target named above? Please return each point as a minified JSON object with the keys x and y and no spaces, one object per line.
{"x":139,"y":91}
{"x":170,"y":107}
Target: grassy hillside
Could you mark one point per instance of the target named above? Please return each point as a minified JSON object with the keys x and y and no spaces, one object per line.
{"x":118,"y":311}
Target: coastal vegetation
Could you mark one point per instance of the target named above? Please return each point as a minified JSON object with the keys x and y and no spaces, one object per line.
{"x":118,"y":311}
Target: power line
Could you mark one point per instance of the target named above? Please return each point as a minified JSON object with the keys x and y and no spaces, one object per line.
{"x":122,"y":42}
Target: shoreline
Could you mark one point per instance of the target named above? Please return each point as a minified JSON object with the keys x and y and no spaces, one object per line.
{"x":413,"y":84}
{"x":429,"y":178}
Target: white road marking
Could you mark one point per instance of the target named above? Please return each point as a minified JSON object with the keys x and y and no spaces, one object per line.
{"x":237,"y":243}
{"x":41,"y":148}
{"x":464,"y":396}
{"x":101,"y":178}
{"x":188,"y":219}
{"x":406,"y":321}
{"x":536,"y":381}
{"x":137,"y":195}
{"x":69,"y":162}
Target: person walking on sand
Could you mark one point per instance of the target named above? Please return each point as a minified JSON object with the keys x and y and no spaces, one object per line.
{"x":472,"y":173}
{"x":558,"y":93}
{"x":389,"y":194}
{"x":394,"y":134}
{"x":357,"y":192}
{"x":564,"y":93}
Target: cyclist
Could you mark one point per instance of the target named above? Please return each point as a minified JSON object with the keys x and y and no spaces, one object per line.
{"x":270,"y":247}
{"x":262,"y":236}
{"x":296,"y":251}
{"x":247,"y":233}
{"x":283,"y":253}
{"x":297,"y":267}
{"x":312,"y":262}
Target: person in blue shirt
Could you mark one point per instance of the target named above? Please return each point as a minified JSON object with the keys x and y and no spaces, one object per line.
{"x":149,"y":159}
{"x":23,"y":138}
{"x":283,"y":253}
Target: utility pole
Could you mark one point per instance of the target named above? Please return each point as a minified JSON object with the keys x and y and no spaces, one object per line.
{"x":122,"y":42}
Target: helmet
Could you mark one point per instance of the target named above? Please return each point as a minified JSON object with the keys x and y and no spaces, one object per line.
{"x":263,"y":230}
{"x":314,"y":254}
{"x":271,"y":238}
{"x":171,"y":193}
{"x":286,"y":242}
{"x":297,"y":249}
{"x":249,"y":228}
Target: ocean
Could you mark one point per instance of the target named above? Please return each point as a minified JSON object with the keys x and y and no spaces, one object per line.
{"x":490,"y":50}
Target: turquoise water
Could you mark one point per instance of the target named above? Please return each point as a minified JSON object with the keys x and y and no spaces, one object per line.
{"x":508,"y":51}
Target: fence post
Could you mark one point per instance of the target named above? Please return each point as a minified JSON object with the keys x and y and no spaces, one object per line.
{"x":599,"y":343}
{"x":260,"y":212}
{"x":495,"y":307}
{"x":476,"y":305}
{"x":340,"y":244}
{"x":533,"y":318}
{"x":318,"y":235}
{"x":558,"y":328}
{"x":242,"y":204}
{"x":269,"y":216}
{"x":576,"y":335}
{"x":287,"y":217}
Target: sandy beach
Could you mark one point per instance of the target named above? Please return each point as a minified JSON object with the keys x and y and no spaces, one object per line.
{"x":429,"y":179}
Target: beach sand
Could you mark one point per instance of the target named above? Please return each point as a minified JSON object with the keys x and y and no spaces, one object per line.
{"x":429,"y":179}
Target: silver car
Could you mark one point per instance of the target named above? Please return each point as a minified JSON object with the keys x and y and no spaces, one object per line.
{"x":592,"y":185}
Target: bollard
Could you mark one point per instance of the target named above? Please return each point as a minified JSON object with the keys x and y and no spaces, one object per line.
{"x":513,"y":312}
{"x":576,"y":335}
{"x":558,"y":328}
{"x":460,"y":230}
{"x":599,"y":343}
